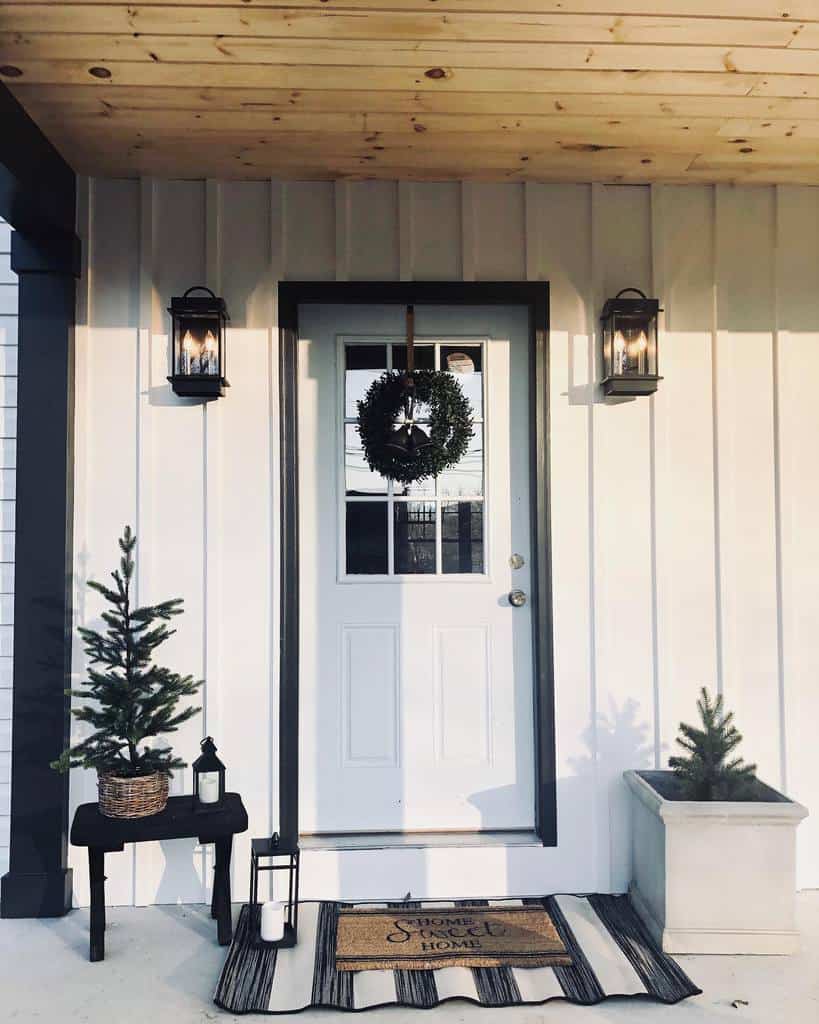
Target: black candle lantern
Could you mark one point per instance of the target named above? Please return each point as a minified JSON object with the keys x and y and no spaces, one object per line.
{"x":630,"y":344}
{"x":272,"y":854}
{"x":198,"y":328}
{"x":208,"y":779}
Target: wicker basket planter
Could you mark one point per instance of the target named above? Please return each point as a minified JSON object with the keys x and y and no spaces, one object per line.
{"x":134,"y":797}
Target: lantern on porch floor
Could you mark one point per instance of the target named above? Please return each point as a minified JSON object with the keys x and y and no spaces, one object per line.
{"x":208,"y":779}
{"x":630,"y":344}
{"x":198,"y":328}
{"x":271,"y":853}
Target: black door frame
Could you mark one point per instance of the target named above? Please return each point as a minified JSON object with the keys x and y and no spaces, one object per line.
{"x":535,"y":297}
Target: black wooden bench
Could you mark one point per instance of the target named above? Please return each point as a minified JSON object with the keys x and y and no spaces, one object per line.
{"x":178,"y":821}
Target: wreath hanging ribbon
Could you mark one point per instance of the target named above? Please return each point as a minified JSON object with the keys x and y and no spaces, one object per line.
{"x":395,"y":445}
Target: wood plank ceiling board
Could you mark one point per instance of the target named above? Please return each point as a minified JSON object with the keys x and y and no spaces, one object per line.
{"x":543,"y":90}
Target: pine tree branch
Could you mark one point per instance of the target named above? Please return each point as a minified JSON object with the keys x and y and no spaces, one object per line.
{"x":133,"y":700}
{"x":706,"y":773}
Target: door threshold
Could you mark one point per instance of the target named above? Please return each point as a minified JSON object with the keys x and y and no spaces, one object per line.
{"x":416,"y":840}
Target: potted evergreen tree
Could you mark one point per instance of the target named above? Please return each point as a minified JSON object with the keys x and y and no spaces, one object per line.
{"x":134,"y":700}
{"x":713,"y":847}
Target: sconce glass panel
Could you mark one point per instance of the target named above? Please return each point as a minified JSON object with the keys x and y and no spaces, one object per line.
{"x":630,"y":344}
{"x":198,"y":343}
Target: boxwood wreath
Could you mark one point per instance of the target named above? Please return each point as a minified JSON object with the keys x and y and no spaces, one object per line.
{"x":450,"y":424}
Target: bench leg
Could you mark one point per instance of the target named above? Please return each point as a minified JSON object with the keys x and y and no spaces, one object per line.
{"x":96,"y":872}
{"x":221,"y":890}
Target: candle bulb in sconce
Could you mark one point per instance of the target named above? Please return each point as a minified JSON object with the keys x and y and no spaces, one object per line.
{"x":186,"y":353}
{"x":209,"y":354}
{"x":208,"y":788}
{"x":272,"y":923}
{"x":642,"y":350}
{"x":619,"y":353}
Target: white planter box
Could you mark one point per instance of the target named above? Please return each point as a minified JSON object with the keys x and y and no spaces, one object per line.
{"x":714,"y":877}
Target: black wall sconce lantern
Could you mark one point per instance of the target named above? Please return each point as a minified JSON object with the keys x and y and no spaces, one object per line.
{"x":198,"y":328}
{"x":630,"y":344}
{"x":208,"y":779}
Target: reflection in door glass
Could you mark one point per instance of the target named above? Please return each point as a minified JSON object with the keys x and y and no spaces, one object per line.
{"x":465,"y":362}
{"x":418,"y":488}
{"x":429,"y":527}
{"x":359,"y":478}
{"x":364,"y":364}
{"x":414,"y":537}
{"x":465,"y":478}
{"x":366,"y":534}
{"x":462,"y":536}
{"x":424,"y":356}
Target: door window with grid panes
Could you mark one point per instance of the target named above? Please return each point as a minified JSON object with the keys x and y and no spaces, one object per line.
{"x":433,"y":527}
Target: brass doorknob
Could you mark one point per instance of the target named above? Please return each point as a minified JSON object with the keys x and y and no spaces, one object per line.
{"x":517,"y":598}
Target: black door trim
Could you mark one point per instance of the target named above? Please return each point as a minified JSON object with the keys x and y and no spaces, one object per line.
{"x":533,"y":295}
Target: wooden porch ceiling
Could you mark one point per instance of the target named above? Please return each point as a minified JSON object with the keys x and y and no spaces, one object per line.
{"x":566,"y":90}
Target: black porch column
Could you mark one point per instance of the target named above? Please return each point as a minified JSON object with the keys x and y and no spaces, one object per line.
{"x":38,"y":883}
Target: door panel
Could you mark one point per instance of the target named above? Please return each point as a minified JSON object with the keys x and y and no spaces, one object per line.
{"x":416,"y":672}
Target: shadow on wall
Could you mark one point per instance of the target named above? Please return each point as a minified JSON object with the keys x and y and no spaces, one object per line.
{"x":593,"y":810}
{"x":617,"y":739}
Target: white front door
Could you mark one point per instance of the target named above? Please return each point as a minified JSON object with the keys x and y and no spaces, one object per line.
{"x":416,"y":701}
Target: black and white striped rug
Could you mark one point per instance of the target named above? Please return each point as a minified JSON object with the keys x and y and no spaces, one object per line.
{"x":612,"y":955}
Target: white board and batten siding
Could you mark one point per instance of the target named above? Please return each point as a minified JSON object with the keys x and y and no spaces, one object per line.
{"x":683,"y":525}
{"x":8,"y":456}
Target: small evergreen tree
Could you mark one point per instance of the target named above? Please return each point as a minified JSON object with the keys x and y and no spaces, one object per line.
{"x":707,"y":773}
{"x":135,"y":700}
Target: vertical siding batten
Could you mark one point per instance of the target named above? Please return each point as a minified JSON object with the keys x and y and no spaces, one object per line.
{"x":594,"y":299}
{"x":342,"y":204}
{"x":558,"y":249}
{"x":468,"y":236}
{"x":107,"y":452}
{"x":684,"y":444}
{"x":406,"y":242}
{"x":745,"y":311}
{"x":212,"y":519}
{"x":623,"y":492}
{"x":174,"y":871}
{"x":240,"y":605}
{"x":213,"y":527}
{"x":798,"y":414}
{"x":657,"y":447}
{"x":778,"y":272}
{"x":148,"y":322}
{"x":719,"y":616}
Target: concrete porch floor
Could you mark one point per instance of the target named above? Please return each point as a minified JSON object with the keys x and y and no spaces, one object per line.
{"x":162,"y":963}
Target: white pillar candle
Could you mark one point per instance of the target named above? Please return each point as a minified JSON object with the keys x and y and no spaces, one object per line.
{"x":209,"y":788}
{"x":272,"y":928}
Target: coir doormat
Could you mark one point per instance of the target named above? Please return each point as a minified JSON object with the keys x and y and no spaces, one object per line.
{"x":369,"y":939}
{"x":610,"y":950}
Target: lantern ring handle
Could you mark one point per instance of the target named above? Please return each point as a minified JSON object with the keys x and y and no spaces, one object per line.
{"x":199,"y":288}
{"x":624,"y":290}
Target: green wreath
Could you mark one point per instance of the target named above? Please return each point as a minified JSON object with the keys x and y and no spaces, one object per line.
{"x":447,"y":428}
